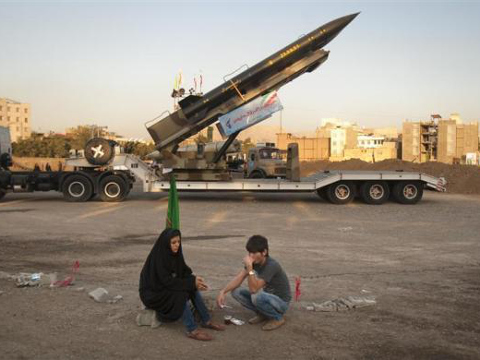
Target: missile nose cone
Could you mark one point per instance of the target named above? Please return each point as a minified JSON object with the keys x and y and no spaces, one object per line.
{"x":333,"y":28}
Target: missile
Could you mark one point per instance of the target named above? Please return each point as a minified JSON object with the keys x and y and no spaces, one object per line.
{"x":197,"y":112}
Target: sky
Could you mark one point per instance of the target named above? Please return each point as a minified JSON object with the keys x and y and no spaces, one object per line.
{"x":113,"y":63}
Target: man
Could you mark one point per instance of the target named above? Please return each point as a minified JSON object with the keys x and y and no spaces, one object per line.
{"x":268,"y":292}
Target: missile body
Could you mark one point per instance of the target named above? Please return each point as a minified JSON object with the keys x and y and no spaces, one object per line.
{"x":196,"y":113}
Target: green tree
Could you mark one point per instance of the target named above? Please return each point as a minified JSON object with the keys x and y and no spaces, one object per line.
{"x":80,"y":136}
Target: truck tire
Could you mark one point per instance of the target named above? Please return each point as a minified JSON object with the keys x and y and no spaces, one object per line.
{"x":375,"y":192}
{"x":341,"y":192}
{"x":257,"y":174}
{"x":77,"y":188}
{"x":2,"y":193}
{"x":408,"y":192}
{"x":112,"y":188}
{"x":99,"y":151}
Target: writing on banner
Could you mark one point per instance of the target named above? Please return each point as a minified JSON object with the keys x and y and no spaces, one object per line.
{"x":250,"y":114}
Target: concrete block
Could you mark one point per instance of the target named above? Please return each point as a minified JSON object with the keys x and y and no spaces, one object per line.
{"x":99,"y":295}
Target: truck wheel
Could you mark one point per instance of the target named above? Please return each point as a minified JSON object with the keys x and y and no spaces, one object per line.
{"x":408,"y":192}
{"x":2,"y":193}
{"x":257,"y":174}
{"x":375,"y":192}
{"x":322,"y":192}
{"x":99,"y":151}
{"x":341,"y":192}
{"x":112,"y":188}
{"x":77,"y":188}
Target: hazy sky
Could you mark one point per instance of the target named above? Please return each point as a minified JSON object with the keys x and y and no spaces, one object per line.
{"x":113,"y":63}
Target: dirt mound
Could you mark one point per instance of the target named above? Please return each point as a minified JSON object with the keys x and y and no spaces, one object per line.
{"x":461,"y":179}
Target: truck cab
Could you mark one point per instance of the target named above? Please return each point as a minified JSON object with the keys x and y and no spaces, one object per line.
{"x":265,"y":161}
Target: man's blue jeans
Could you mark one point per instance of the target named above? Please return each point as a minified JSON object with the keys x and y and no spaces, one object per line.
{"x":189,"y":319}
{"x":261,"y":302}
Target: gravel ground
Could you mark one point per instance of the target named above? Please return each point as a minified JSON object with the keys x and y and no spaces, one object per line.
{"x":421,"y":263}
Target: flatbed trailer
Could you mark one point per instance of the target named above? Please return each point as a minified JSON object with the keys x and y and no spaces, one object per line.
{"x":338,"y":187}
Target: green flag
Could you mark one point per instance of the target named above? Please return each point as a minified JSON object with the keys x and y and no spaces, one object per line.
{"x":173,"y":212}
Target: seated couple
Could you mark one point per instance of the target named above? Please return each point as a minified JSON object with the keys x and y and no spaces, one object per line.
{"x":168,"y":286}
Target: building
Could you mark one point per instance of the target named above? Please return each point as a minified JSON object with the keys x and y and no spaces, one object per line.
{"x":456,"y":140}
{"x":444,"y":140}
{"x":387,"y":132}
{"x":16,"y":116}
{"x":341,"y":139}
{"x":309,"y":148}
{"x":419,"y":141}
{"x":370,"y":141}
{"x":387,"y":150}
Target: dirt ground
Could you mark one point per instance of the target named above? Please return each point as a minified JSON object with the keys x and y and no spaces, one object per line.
{"x":421,"y":263}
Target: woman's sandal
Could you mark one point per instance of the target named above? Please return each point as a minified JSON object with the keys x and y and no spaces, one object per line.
{"x":198,"y":334}
{"x":213,"y":326}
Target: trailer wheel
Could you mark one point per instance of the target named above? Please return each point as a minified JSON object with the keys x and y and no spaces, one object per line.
{"x":99,"y":151}
{"x":322,"y":193}
{"x":2,"y":193}
{"x":341,"y":192}
{"x":77,"y":188}
{"x":375,"y":192}
{"x":408,"y":192}
{"x":113,"y":188}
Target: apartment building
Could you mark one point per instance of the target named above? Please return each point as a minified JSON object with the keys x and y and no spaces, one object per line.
{"x":443,"y":140}
{"x":342,"y":138}
{"x":16,"y":116}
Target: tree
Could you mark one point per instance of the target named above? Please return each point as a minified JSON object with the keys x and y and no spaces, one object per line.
{"x":80,"y":136}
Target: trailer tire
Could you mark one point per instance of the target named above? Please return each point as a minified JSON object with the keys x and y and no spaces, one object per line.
{"x":99,"y":151}
{"x":375,"y":192}
{"x":341,"y":192}
{"x":408,"y":192}
{"x":112,"y":188}
{"x":257,"y":174}
{"x":77,"y":188}
{"x":322,"y":193}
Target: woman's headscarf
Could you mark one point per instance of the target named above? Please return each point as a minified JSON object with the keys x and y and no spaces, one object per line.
{"x":162,"y":262}
{"x":166,"y":282}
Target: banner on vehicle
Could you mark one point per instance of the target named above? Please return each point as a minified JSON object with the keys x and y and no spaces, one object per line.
{"x":250,"y":114}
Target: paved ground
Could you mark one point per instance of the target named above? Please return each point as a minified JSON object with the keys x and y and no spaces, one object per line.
{"x":421,"y":262}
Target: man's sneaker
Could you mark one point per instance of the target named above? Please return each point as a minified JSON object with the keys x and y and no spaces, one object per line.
{"x":257,"y":319}
{"x":273,"y":324}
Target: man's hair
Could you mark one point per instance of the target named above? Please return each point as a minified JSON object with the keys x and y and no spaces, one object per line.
{"x":257,"y":243}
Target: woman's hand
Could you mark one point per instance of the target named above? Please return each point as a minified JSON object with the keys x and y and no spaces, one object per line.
{"x":200,"y":284}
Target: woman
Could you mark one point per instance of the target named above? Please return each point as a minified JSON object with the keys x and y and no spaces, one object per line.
{"x":167,"y":284}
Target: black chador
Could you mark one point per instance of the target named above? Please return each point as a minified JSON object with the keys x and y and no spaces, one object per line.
{"x":166,"y":282}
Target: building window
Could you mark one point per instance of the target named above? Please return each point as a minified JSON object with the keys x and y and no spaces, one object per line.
{"x":1,"y":108}
{"x":8,"y":118}
{"x":26,"y":110}
{"x":1,"y":118}
{"x":26,"y":120}
{"x":18,"y":119}
{"x":18,"y":129}
{"x":8,"y":108}
{"x":18,"y":109}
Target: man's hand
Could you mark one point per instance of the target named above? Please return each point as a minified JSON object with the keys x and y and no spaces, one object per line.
{"x":200,"y":284}
{"x":248,"y":261}
{"x":221,"y":299}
